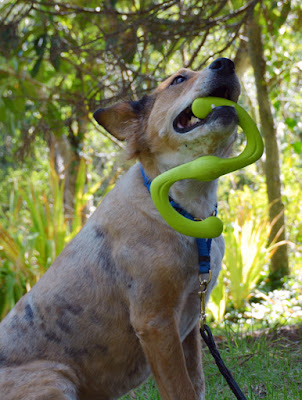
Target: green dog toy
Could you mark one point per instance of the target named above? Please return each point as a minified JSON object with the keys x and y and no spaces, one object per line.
{"x":205,"y":168}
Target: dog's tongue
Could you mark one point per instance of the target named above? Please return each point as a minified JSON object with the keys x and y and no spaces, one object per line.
{"x":187,"y":120}
{"x":183,"y":121}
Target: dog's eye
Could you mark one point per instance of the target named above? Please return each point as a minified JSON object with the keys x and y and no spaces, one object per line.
{"x":178,"y":79}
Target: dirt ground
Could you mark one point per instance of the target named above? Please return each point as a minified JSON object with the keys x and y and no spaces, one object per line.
{"x":284,"y":335}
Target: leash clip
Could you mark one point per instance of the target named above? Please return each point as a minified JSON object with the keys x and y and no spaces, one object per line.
{"x":203,"y":288}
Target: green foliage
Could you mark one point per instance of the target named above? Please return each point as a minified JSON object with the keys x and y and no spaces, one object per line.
{"x":59,"y":61}
{"x":244,"y":213}
{"x":246,"y":253}
{"x":26,"y":255}
{"x":219,"y":298}
{"x":15,"y":270}
{"x":245,"y":257}
{"x":292,"y":175}
{"x":81,"y":198}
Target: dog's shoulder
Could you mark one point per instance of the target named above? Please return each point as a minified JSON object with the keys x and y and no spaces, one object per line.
{"x":127,"y":201}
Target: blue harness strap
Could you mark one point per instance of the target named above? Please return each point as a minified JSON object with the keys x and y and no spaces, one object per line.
{"x":203,"y":245}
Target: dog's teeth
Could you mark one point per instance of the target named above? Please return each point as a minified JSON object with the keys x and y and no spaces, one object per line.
{"x":194,"y":120}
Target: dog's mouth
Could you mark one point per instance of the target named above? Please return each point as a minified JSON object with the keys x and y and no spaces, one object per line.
{"x":186,"y":120}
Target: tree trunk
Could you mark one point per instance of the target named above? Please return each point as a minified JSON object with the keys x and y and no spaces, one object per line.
{"x":67,"y":162}
{"x":241,"y":60}
{"x":67,"y":149}
{"x":279,"y":261}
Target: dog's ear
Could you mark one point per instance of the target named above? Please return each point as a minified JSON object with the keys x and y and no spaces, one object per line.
{"x":122,"y":119}
{"x":116,"y":119}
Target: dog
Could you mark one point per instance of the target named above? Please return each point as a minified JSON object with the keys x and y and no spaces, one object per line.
{"x":121,"y":300}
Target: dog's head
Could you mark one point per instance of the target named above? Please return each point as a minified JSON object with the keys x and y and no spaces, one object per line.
{"x":161,"y":129}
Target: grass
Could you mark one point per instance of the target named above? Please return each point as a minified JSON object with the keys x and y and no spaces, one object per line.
{"x":266,"y":366}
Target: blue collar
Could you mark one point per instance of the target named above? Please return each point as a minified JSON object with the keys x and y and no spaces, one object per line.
{"x":204,"y":245}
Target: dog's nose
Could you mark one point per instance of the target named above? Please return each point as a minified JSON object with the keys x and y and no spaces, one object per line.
{"x":223,"y":66}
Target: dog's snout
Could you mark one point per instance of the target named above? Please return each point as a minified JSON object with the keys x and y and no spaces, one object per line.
{"x":223,"y":66}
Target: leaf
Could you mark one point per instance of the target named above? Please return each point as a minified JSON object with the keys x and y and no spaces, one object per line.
{"x":40,"y":44}
{"x":79,"y":191}
{"x":291,"y":122}
{"x":297,"y":146}
{"x":9,"y":283}
{"x":277,"y":105}
{"x":218,"y":299}
{"x":36,"y":67}
{"x":9,"y":245}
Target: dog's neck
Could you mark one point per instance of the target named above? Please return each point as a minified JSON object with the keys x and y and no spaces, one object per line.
{"x":197,"y":198}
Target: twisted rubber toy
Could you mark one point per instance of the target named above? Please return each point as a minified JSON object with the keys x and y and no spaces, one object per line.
{"x":205,"y":168}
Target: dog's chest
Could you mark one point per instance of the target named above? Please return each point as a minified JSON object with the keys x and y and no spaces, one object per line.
{"x":188,"y":311}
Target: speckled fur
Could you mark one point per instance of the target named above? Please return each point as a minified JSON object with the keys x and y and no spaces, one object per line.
{"x":121,"y":300}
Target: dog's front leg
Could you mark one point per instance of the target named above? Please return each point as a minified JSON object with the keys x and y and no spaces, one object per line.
{"x":192,"y":350}
{"x":161,"y":343}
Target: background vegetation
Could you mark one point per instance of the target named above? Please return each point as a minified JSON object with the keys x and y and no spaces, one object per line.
{"x":60,"y":60}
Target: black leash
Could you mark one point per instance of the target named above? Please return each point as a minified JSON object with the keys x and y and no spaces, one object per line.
{"x":207,"y":336}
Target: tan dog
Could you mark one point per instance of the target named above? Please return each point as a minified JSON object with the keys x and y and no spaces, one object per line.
{"x":121,"y":302}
